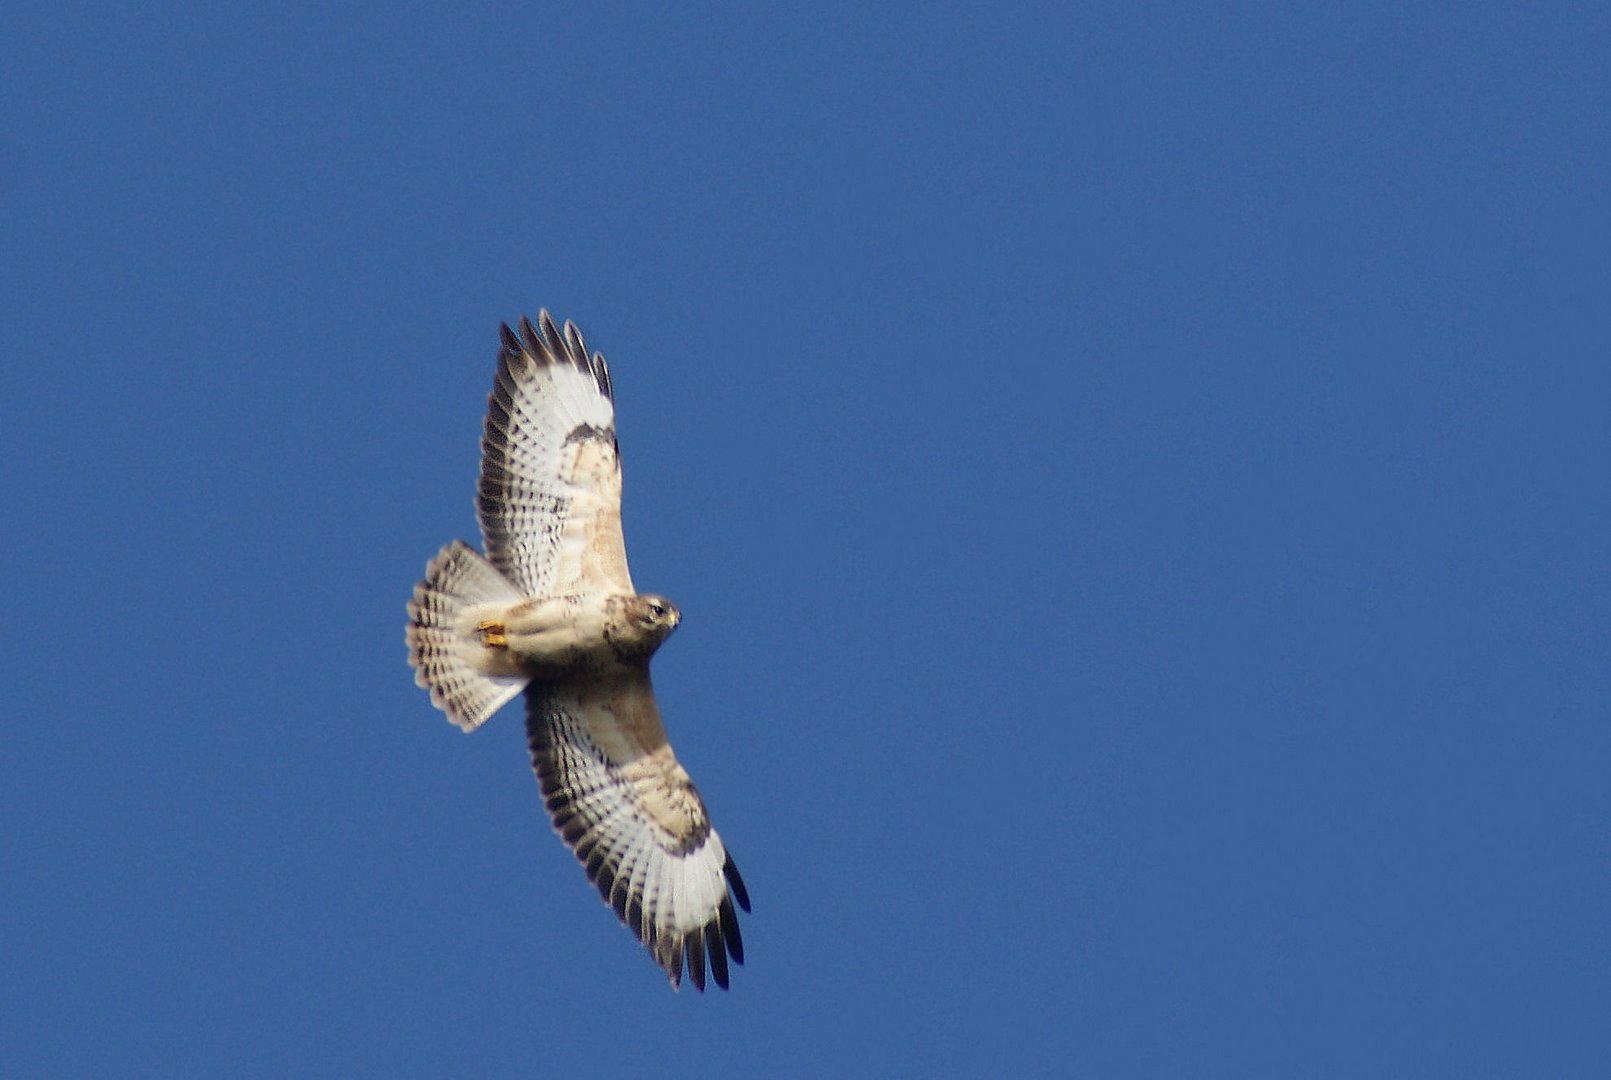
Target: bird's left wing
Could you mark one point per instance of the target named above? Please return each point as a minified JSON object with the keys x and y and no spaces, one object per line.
{"x":625,"y":807}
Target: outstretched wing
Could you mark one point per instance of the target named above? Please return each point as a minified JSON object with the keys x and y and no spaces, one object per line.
{"x":619,"y":799}
{"x":549,"y":502}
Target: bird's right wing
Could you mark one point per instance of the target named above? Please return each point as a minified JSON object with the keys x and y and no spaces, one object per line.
{"x":549,"y":500}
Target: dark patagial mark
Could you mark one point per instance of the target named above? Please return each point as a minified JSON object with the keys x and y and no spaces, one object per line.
{"x":589,"y":433}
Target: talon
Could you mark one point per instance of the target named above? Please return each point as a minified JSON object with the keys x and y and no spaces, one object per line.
{"x":492,"y":634}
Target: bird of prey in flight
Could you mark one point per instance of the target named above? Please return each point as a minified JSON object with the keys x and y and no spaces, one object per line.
{"x":550,"y":613}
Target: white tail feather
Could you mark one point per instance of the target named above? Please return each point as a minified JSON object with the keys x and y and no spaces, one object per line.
{"x":443,"y":646}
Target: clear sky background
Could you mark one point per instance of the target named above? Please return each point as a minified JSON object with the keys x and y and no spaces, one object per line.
{"x":1135,"y":477}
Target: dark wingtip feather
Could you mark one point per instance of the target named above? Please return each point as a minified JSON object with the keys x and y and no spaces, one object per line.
{"x":694,"y":943}
{"x":730,"y":935}
{"x":618,"y":900}
{"x":551,"y":335}
{"x":602,"y":873}
{"x":718,"y":954}
{"x":511,"y":344}
{"x":730,"y":871}
{"x":575,"y":346}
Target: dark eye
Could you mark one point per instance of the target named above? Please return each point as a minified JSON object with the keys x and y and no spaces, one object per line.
{"x":657,"y":610}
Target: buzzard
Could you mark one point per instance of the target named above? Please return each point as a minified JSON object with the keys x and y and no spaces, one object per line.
{"x":550,"y":613}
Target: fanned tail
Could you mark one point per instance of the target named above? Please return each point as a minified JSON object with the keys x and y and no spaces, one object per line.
{"x":443,"y":646}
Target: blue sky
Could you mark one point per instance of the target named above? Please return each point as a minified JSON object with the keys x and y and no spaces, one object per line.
{"x":1135,"y":479}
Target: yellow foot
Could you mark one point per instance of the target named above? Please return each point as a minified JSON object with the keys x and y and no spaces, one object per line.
{"x":492,"y":635}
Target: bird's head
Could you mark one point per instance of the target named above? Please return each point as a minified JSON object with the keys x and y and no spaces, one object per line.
{"x":655,"y":615}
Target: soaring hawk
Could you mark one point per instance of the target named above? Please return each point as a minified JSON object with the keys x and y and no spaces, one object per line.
{"x":550,"y":613}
